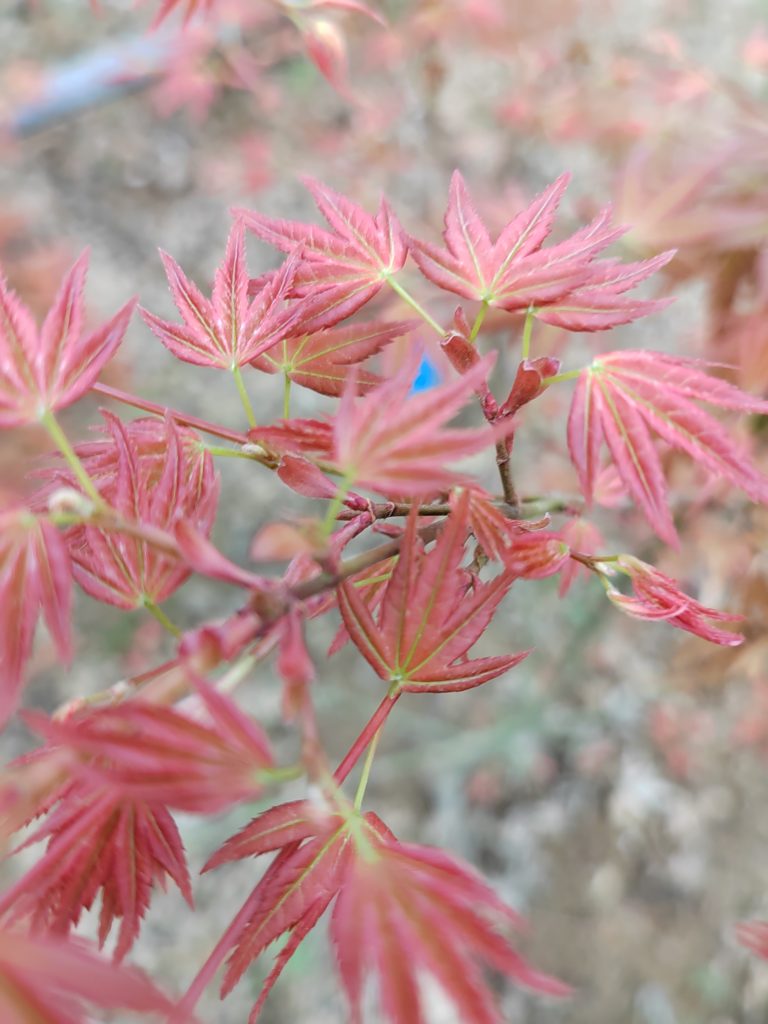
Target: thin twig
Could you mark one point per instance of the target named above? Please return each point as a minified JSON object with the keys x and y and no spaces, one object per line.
{"x":505,"y":475}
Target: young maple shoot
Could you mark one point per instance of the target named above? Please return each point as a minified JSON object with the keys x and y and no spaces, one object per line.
{"x":128,"y":517}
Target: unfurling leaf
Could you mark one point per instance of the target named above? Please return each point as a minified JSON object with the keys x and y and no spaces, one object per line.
{"x":536,"y":554}
{"x":529,"y":383}
{"x":659,"y":598}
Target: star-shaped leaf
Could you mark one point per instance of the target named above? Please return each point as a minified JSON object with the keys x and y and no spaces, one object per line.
{"x":400,"y":910}
{"x":430,"y":615}
{"x":99,"y":842}
{"x":341,"y":268}
{"x":201,"y":760}
{"x":50,"y":368}
{"x":229,"y":329}
{"x":562,"y":283}
{"x":396,"y":442}
{"x":625,"y":397}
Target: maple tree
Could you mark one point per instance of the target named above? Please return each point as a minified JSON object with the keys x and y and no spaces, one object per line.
{"x":129,"y":515}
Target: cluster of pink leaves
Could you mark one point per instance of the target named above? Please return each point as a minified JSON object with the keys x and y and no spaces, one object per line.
{"x":128,"y":517}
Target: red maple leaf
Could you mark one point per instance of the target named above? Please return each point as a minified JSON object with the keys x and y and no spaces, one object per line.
{"x":602,"y":303}
{"x":49,"y":980}
{"x":229,"y":329}
{"x":150,"y":472}
{"x":50,"y":368}
{"x":561,"y":283}
{"x":201,"y":760}
{"x":390,"y":440}
{"x":345,"y":267}
{"x":430,"y":614}
{"x":99,"y":842}
{"x":625,"y":396}
{"x":400,"y":910}
{"x":322,"y":361}
{"x":35,"y":576}
{"x":371,"y":584}
{"x":395,"y":442}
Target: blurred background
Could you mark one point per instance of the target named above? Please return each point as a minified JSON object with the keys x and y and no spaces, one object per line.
{"x":613,"y":786}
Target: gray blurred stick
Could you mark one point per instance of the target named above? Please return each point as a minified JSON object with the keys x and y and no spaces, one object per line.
{"x":108,"y":74}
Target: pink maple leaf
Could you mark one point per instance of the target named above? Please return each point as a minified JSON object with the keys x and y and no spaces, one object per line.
{"x":659,"y":598}
{"x":229,"y":329}
{"x":430,"y":614}
{"x":625,"y":397}
{"x":561,"y":282}
{"x":400,"y":910}
{"x":345,"y":267}
{"x":390,"y":440}
{"x":35,"y":576}
{"x":602,"y":303}
{"x":296,"y":437}
{"x":322,"y":361}
{"x":370,"y":584}
{"x":201,"y":760}
{"x":395,"y":442}
{"x":50,"y":368}
{"x":491,"y":528}
{"x":99,"y":842}
{"x":150,"y":472}
{"x":49,"y":980}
